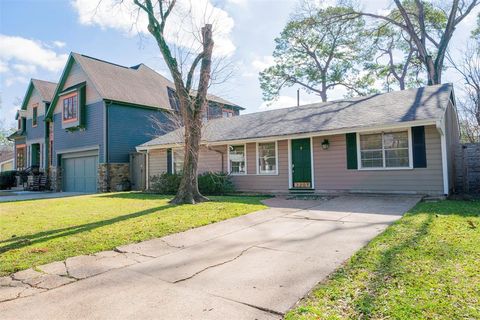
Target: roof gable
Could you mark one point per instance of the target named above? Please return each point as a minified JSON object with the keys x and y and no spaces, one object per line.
{"x":44,"y":88}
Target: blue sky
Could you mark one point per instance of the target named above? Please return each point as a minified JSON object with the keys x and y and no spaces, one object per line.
{"x":36,"y":36}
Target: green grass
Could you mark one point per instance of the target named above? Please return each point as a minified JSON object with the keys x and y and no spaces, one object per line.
{"x":36,"y":232}
{"x":425,"y":266}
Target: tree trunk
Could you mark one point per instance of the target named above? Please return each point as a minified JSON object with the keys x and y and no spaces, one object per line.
{"x":188,"y":191}
{"x":192,"y":111}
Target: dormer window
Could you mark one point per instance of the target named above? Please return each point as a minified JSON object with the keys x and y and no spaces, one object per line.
{"x":70,"y":108}
{"x":34,"y":117}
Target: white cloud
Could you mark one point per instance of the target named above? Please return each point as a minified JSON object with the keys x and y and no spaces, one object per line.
{"x":262,"y":63}
{"x":25,"y":68}
{"x":17,"y":79}
{"x":18,"y":50}
{"x":283,"y":102}
{"x":59,"y":44}
{"x":241,"y":3}
{"x":182,"y":26}
{"x":3,"y":67}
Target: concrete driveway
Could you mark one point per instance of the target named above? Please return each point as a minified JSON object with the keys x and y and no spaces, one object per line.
{"x":34,"y":195}
{"x":251,"y":267}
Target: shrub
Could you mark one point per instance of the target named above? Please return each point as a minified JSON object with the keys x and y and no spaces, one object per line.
{"x":7,"y":179}
{"x":209,"y":183}
{"x":215,"y":183}
{"x":166,"y":183}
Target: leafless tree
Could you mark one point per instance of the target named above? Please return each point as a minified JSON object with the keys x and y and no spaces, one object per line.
{"x":191,"y":105}
{"x":469,"y":69}
{"x":430,"y":37}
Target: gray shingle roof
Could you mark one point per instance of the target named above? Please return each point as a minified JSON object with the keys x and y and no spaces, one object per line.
{"x":137,"y":85}
{"x":426,"y":103}
{"x":45,"y":88}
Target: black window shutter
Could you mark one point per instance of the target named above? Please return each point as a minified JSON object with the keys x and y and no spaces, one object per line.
{"x":351,"y":139}
{"x":169,"y":161}
{"x":419,"y":150}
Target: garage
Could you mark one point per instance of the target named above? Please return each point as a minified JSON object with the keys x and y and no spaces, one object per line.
{"x":80,"y":173}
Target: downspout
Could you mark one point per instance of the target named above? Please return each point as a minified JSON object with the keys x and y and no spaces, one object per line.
{"x":105,"y":143}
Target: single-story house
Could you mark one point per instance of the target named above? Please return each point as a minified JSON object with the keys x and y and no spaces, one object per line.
{"x":396,"y":142}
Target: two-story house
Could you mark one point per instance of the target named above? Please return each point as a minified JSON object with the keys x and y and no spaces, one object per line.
{"x":30,"y":145}
{"x":99,"y":112}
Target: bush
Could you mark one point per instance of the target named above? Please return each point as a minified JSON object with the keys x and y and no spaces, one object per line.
{"x":7,"y":179}
{"x":166,"y":183}
{"x":215,"y":183}
{"x":209,"y":183}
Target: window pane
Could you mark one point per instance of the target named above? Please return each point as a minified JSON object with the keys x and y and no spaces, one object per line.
{"x":237,"y":159}
{"x":371,"y":141}
{"x":74,"y":106}
{"x":397,"y":158}
{"x":267,"y":157}
{"x":371,"y":159}
{"x":395,"y":140}
{"x":178,"y":160}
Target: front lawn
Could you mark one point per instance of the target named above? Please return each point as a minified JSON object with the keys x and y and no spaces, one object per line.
{"x":36,"y":232}
{"x":425,"y":266}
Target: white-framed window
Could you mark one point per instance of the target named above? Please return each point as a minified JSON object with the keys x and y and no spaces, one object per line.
{"x":267,"y":158}
{"x":178,"y":157}
{"x":385,"y":150}
{"x":237,"y":160}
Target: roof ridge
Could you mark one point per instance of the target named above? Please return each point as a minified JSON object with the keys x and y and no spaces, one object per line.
{"x":322,"y":104}
{"x":101,"y":60}
{"x":35,"y":79}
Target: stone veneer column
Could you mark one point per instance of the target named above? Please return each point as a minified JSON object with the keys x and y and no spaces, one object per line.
{"x":55,"y":177}
{"x":111,"y":174}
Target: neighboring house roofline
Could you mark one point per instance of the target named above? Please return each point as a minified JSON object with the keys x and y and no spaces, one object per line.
{"x":44,"y":92}
{"x":86,"y":62}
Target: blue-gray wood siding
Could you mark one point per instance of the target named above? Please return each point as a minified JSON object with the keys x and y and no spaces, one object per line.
{"x":129,"y":127}
{"x":20,"y":141}
{"x":91,"y":135}
{"x":37,"y":132}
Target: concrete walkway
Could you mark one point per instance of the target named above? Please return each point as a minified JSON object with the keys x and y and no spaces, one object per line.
{"x":252,"y":267}
{"x":34,"y":195}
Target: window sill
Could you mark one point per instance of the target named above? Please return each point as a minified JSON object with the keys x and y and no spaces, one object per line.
{"x":385,"y":169}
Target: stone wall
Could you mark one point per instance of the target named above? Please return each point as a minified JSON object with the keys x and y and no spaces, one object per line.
{"x":467,"y":168}
{"x":55,"y":178}
{"x":111,"y":174}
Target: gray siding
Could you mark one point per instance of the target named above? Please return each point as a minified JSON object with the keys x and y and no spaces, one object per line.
{"x":331,"y":172}
{"x":92,"y":135}
{"x":129,"y":127}
{"x":157,"y":163}
{"x":38,"y":131}
{"x":264,"y":183}
{"x":330,"y":169}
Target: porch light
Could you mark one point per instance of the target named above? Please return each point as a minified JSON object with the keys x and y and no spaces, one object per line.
{"x":325,"y":144}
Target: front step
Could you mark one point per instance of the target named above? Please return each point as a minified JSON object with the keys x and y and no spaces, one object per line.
{"x":301,"y":191}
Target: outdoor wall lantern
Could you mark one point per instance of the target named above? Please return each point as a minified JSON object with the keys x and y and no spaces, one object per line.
{"x":325,"y":144}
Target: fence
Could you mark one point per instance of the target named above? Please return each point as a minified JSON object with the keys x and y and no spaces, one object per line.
{"x":467,"y":167}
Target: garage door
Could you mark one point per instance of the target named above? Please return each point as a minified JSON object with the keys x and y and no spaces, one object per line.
{"x":80,"y":174}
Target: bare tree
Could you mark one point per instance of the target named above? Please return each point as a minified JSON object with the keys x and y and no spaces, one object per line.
{"x":430,"y":28}
{"x":469,"y":69}
{"x":396,"y":62}
{"x":191,"y":105}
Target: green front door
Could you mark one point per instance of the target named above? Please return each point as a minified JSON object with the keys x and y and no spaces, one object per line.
{"x":35,"y":154}
{"x":301,"y":164}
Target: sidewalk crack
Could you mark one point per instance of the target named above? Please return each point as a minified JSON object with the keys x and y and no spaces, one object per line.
{"x":214,"y":265}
